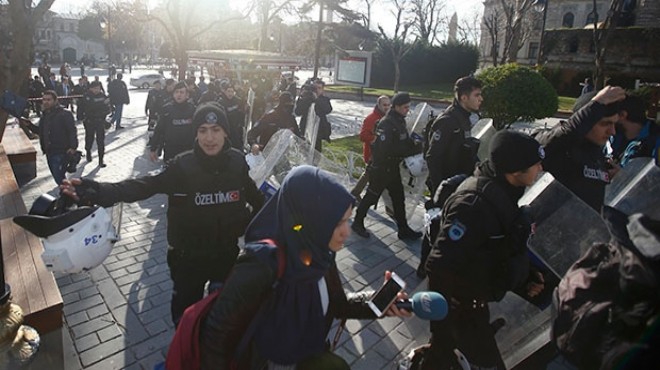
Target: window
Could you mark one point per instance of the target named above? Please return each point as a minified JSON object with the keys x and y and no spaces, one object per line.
{"x":48,"y":34}
{"x":590,"y":19}
{"x":72,"y":28}
{"x":533,"y":51}
{"x":568,"y":19}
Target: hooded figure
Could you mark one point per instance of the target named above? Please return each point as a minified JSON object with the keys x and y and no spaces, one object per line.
{"x":299,"y":311}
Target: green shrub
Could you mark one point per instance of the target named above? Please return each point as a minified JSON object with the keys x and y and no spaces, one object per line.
{"x":512,"y":92}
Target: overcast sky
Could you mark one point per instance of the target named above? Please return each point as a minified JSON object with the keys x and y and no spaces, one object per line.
{"x":463,"y":7}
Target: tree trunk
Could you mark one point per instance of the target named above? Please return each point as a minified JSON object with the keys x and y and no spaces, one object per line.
{"x":397,"y":74}
{"x":15,"y":64}
{"x":263,"y":35}
{"x":182,"y":63}
{"x":317,"y":48}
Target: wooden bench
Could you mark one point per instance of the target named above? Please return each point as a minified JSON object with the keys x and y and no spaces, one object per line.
{"x":33,"y":287}
{"x":21,"y":153}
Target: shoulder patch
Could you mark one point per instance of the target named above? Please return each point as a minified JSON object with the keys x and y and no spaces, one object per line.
{"x":382,"y":137}
{"x":456,"y":231}
{"x":437,"y":135}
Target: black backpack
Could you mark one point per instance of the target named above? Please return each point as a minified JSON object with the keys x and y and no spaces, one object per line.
{"x":607,"y":306}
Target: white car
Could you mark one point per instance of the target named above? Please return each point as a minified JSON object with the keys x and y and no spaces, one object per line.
{"x":147,"y":81}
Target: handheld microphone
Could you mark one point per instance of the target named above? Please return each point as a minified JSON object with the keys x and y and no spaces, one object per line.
{"x":426,"y":305}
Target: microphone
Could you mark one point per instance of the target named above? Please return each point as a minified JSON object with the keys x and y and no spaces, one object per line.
{"x":426,"y":305}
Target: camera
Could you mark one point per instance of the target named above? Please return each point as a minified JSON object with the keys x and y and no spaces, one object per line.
{"x":72,"y":161}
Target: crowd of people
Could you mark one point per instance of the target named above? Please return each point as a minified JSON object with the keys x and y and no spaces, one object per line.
{"x":474,"y":253}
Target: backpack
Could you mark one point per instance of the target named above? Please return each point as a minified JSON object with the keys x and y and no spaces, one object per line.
{"x":183,"y":353}
{"x":607,"y":305}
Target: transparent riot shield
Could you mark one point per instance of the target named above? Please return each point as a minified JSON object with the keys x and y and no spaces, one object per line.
{"x":564,"y":226}
{"x":484,"y":131}
{"x":417,"y":119}
{"x":312,"y":127}
{"x":284,"y":151}
{"x":248,"y":118}
{"x":636,"y":189}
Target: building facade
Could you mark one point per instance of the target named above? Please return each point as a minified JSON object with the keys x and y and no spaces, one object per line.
{"x":561,"y":15}
{"x":56,"y":39}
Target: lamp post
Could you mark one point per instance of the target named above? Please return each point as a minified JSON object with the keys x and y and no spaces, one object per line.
{"x":105,"y":23}
{"x":541,"y":6}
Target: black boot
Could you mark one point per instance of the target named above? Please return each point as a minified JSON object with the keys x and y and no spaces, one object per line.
{"x":88,"y":155}
{"x":358,"y":228}
{"x":406,"y":233}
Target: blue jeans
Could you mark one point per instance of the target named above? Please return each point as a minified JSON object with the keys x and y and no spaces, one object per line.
{"x":57,"y":166}
{"x":117,"y":115}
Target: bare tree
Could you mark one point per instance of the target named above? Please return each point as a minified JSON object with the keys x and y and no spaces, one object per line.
{"x":602,"y":35}
{"x":397,"y":44}
{"x":427,"y":18}
{"x":17,"y":49}
{"x":182,"y":27}
{"x":469,"y":30}
{"x":493,"y":25}
{"x":267,"y":11}
{"x":366,"y":17}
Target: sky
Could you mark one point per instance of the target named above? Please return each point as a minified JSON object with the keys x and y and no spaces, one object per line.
{"x":464,"y":8}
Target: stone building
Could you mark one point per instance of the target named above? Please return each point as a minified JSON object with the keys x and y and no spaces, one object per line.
{"x":56,"y":38}
{"x":563,"y":15}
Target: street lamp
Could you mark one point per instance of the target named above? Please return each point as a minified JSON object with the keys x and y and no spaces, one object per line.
{"x":105,"y":23}
{"x":541,"y":6}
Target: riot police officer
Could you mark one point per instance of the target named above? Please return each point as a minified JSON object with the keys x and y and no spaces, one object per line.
{"x":97,"y":107}
{"x":392,"y":144}
{"x":208,"y":189}
{"x":480,"y":251}
{"x":174,"y":132}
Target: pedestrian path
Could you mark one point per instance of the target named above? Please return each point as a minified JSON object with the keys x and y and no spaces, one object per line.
{"x":117,"y":315}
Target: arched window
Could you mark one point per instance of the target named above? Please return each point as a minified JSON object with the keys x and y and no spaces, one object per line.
{"x":590,"y":19}
{"x":568,"y":19}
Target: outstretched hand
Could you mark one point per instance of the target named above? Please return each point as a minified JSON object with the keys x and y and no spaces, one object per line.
{"x":68,"y":188}
{"x":609,"y":95}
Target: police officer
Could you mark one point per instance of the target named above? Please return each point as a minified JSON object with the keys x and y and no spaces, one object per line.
{"x":153,"y":105}
{"x":235,"y":109}
{"x":392,"y":144}
{"x":174,"y":132}
{"x":208,"y":188}
{"x":449,"y":149}
{"x":97,"y":107}
{"x":279,"y":118}
{"x":480,"y":251}
{"x":574,"y":148}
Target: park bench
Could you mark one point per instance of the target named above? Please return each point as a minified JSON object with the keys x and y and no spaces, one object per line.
{"x":21,"y":153}
{"x":33,"y":287}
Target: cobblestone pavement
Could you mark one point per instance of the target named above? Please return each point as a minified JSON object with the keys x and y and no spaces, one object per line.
{"x":117,"y":315}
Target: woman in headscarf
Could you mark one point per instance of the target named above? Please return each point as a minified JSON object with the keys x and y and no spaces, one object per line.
{"x":308,"y":219}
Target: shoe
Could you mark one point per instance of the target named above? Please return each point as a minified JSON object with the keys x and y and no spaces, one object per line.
{"x":360,"y":230}
{"x":88,"y":156}
{"x":421,"y":271}
{"x":407,"y":233}
{"x":103,"y":165}
{"x":119,"y":128}
{"x":389,"y":211}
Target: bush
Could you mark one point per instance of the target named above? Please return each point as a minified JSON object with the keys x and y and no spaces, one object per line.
{"x":512,"y":92}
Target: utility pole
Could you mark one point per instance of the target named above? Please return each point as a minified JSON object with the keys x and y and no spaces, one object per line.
{"x":317,"y":49}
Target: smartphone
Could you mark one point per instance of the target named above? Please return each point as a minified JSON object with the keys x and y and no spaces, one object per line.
{"x":386,"y":295}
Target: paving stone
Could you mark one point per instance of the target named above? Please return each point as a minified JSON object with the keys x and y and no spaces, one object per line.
{"x":83,"y":304}
{"x":118,"y":361}
{"x":86,"y":342}
{"x":108,"y":333}
{"x":97,"y":311}
{"x":91,"y":326}
{"x":111,"y":294}
{"x":76,"y":318}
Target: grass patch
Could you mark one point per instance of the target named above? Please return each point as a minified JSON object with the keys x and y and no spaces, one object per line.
{"x":348,"y":143}
{"x":438,"y":92}
{"x":566,"y":103}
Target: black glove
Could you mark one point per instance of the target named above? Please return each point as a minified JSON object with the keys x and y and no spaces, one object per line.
{"x":88,"y":192}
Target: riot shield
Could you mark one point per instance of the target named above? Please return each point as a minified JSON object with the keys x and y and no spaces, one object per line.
{"x":564,"y":226}
{"x":636,"y":189}
{"x":284,"y":151}
{"x":484,"y":131}
{"x":417,"y":119}
{"x":248,"y":118}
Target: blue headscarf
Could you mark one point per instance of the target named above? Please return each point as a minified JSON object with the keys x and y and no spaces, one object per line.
{"x":302,"y":217}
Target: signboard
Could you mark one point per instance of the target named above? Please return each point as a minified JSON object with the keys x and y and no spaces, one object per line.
{"x":353,"y":68}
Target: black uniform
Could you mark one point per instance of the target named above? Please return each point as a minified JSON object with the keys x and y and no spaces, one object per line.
{"x":279,"y":118}
{"x":392,"y":144}
{"x":174,"y":132}
{"x":153,"y":106}
{"x":450,"y":150}
{"x":96,"y":109}
{"x":235,"y":110}
{"x":576,"y":162}
{"x":478,"y":256}
{"x":322,"y":108}
{"x":206,"y":215}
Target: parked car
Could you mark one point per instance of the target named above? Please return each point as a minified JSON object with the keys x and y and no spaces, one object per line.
{"x":147,"y":81}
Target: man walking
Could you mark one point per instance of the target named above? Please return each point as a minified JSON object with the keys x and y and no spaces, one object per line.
{"x":96,"y":109}
{"x":57,"y":134}
{"x":174,"y":132}
{"x":367,"y":137}
{"x":279,"y":118}
{"x":392,"y":144}
{"x":118,"y":93}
